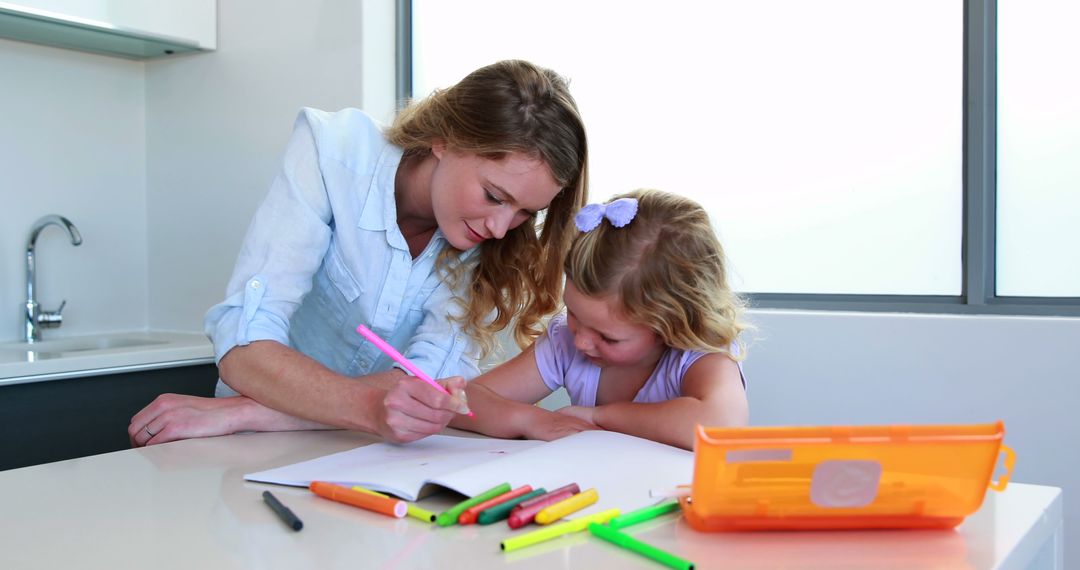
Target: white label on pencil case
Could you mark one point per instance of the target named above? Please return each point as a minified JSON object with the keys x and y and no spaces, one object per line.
{"x":750,"y":455}
{"x":844,"y":483}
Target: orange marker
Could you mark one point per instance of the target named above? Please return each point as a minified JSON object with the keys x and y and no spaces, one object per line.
{"x":470,"y":514}
{"x":384,"y":505}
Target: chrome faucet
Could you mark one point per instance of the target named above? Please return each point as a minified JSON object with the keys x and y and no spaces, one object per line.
{"x":36,"y":319}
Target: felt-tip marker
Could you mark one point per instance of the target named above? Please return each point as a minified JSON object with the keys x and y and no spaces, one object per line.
{"x":283,"y":512}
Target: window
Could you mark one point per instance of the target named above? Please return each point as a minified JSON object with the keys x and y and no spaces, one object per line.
{"x":1038,"y":194}
{"x":828,"y":140}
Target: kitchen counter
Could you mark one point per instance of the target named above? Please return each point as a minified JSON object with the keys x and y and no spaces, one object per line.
{"x":186,"y":505}
{"x":105,"y":353}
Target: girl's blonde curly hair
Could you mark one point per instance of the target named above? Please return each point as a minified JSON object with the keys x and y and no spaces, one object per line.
{"x":667,"y":269}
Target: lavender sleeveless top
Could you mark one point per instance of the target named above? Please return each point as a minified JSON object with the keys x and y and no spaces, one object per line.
{"x":561,"y":364}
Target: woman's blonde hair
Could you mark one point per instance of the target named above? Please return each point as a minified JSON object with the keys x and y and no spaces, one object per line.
{"x":507,"y":107}
{"x":667,"y":269}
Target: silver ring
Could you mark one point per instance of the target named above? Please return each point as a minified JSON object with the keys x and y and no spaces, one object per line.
{"x":147,"y":429}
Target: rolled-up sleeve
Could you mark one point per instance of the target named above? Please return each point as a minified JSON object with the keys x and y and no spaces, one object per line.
{"x":284,"y":247}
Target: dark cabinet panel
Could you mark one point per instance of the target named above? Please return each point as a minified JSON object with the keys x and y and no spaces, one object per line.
{"x":55,"y":420}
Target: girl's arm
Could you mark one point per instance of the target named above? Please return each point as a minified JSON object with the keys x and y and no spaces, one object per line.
{"x":503,"y":401}
{"x":712,"y":395}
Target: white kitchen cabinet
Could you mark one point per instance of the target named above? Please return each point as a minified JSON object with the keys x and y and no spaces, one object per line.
{"x":134,"y":29}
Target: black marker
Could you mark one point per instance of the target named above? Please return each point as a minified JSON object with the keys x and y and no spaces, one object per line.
{"x":282,"y":511}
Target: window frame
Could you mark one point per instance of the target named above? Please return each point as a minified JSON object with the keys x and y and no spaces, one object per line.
{"x":979,"y":187}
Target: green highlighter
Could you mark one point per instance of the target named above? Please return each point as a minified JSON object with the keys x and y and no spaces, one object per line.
{"x":450,"y":516}
{"x":634,"y":545}
{"x":642,"y":515}
{"x":502,"y":510}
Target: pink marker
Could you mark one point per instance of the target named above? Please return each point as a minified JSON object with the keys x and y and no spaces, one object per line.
{"x":397,"y":356}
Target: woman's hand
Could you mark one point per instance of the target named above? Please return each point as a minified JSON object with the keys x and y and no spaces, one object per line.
{"x":550,"y":425}
{"x":175,"y":416}
{"x":413,"y":409}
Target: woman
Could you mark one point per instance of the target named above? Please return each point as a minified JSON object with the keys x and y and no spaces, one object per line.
{"x":427,"y":234}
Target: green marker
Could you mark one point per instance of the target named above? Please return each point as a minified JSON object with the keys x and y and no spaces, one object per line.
{"x":502,"y":510}
{"x":642,"y":515}
{"x":634,"y":545}
{"x":450,"y":516}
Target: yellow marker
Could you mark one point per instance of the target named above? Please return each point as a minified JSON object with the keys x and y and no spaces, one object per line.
{"x":567,"y":506}
{"x":557,"y":530}
{"x":414,"y":511}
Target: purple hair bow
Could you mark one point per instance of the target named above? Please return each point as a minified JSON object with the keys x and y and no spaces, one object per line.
{"x":619,"y":212}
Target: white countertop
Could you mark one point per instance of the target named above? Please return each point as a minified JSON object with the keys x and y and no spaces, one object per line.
{"x":105,"y":353}
{"x":186,"y":505}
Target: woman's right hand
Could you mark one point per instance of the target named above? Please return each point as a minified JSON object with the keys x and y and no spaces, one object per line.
{"x":412,"y":409}
{"x":172,"y":417}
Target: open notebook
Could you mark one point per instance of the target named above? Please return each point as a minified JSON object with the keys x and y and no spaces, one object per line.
{"x":622,"y":468}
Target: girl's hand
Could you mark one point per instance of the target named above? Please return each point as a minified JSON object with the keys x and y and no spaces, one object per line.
{"x":549,"y":426}
{"x":583,"y":413}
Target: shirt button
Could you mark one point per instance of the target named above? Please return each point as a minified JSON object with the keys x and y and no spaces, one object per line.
{"x":255,"y":284}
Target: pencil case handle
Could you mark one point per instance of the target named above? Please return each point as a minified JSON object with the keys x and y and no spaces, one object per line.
{"x":1010,"y":461}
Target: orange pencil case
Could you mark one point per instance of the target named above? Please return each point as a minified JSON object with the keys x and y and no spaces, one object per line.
{"x":843,"y":477}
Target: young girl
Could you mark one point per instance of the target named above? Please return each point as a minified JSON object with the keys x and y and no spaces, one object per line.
{"x":648,"y":345}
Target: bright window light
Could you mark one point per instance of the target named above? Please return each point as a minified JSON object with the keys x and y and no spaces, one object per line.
{"x":823,"y":137}
{"x":1038,"y":199}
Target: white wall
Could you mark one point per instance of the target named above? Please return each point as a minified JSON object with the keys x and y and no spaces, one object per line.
{"x":160,"y":164}
{"x":72,"y":142}
{"x":217,"y":125}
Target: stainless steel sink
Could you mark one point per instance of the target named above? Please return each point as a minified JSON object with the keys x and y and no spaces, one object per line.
{"x":59,"y":348}
{"x":89,"y":354}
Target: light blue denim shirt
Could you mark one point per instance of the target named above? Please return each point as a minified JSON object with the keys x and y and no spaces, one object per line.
{"x":324,"y":254}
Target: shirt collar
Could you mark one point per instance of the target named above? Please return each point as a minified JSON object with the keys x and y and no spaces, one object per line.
{"x":380,"y":209}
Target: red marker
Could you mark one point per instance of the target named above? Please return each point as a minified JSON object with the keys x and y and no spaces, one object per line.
{"x":470,"y":514}
{"x":572,"y":487}
{"x":521,"y":517}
